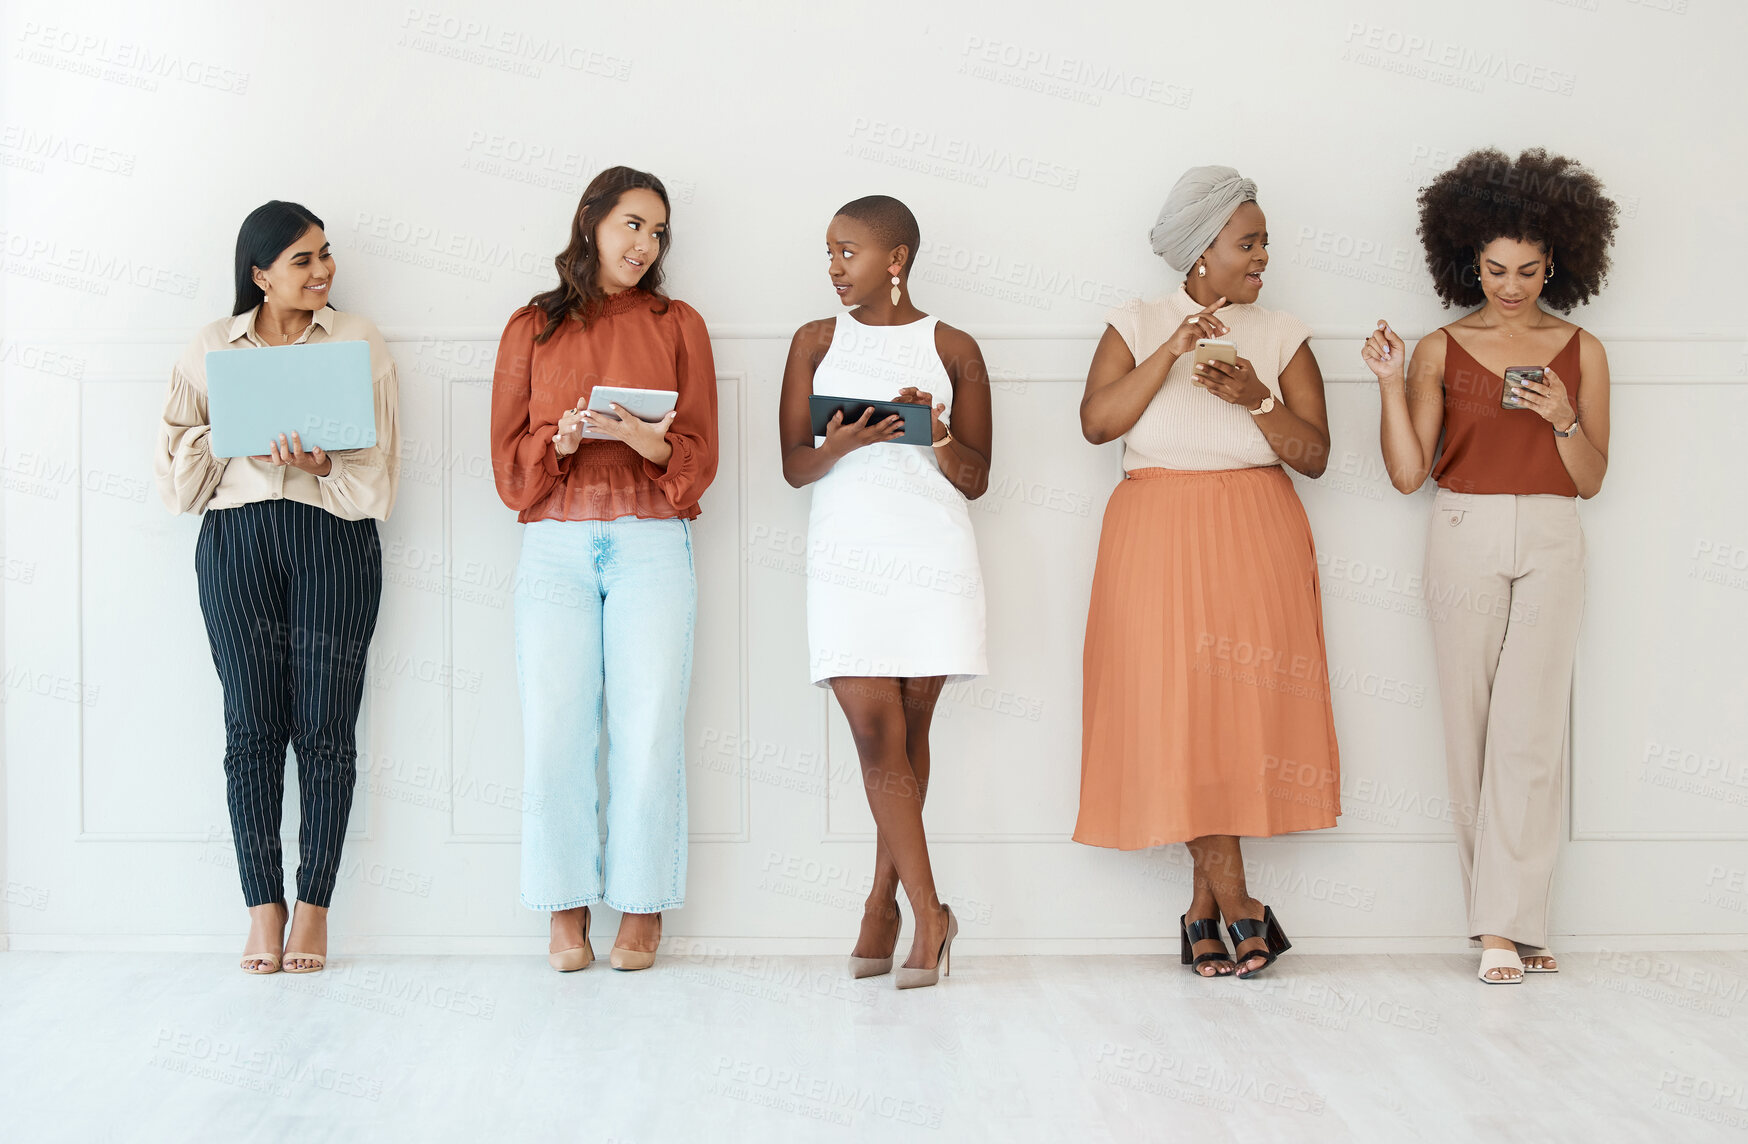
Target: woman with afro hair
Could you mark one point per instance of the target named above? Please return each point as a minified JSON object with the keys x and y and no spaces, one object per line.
{"x":1507,"y":409}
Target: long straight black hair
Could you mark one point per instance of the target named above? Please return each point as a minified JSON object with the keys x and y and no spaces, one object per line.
{"x":269,"y":229}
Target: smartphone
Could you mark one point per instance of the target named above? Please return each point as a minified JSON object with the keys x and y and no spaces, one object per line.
{"x":1514,"y":377}
{"x":1212,"y":349}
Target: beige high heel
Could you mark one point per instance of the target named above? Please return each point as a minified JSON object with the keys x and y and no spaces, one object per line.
{"x":631,"y":959}
{"x":321,"y":960}
{"x":249,"y":959}
{"x":577,"y":956}
{"x":273,"y":959}
{"x":918,"y":978}
{"x":861,"y":967}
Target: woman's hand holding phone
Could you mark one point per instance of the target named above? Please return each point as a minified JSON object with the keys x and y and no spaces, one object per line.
{"x":1545,"y":395}
{"x":1235,"y":383}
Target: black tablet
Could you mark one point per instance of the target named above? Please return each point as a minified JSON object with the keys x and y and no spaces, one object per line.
{"x":917,"y":429}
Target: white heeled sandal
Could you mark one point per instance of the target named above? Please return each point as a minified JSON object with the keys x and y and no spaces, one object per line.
{"x":1495,"y":959}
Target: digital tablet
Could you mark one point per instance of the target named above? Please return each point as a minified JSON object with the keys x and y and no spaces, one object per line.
{"x":648,"y":404}
{"x":917,"y":423}
{"x":322,"y":392}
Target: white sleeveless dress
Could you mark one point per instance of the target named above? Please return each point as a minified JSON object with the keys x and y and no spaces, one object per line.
{"x":894,"y":588}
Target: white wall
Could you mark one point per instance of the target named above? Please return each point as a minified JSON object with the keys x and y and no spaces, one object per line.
{"x":446,"y":147}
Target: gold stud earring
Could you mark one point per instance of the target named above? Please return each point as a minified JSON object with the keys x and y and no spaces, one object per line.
{"x":895,"y":291}
{"x":1201,"y":270}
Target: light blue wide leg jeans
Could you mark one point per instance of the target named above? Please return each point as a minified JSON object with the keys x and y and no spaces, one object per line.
{"x":604,"y":610}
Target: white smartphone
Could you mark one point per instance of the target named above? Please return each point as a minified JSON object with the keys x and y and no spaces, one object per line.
{"x":648,"y":404}
{"x":1213,"y":349}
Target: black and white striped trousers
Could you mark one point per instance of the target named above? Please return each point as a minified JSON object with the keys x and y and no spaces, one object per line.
{"x":290,"y":594}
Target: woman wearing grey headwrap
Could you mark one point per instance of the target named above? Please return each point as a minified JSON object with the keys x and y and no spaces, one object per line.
{"x":1206,"y":714}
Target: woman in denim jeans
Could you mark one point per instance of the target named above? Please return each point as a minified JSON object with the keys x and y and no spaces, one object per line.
{"x":605,"y":591}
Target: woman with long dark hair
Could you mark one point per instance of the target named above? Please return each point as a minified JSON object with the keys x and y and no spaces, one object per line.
{"x":1506,"y":409}
{"x":606,"y":592}
{"x":290,"y":573}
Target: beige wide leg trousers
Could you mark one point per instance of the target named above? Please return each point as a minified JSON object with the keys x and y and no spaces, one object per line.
{"x":1504,"y":586}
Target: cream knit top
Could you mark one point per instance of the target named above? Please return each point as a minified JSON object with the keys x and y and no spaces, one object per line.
{"x":1185,"y":426}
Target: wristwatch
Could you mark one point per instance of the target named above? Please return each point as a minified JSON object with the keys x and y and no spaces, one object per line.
{"x":1268,"y":403}
{"x":1570,"y":429}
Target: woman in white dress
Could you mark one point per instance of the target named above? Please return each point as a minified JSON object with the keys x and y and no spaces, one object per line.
{"x":895,"y":601}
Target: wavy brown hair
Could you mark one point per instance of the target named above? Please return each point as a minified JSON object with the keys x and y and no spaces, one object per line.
{"x":1546,"y":199}
{"x":577,"y":293}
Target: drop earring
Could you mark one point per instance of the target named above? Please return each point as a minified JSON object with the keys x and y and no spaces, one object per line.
{"x":896,"y":294}
{"x":1201,"y":270}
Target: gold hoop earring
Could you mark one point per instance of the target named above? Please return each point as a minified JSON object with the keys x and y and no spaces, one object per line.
{"x":896,"y":295}
{"x":1550,"y":274}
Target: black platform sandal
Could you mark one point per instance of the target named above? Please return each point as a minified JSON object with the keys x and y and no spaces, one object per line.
{"x":1244,"y":929}
{"x":1203,"y":929}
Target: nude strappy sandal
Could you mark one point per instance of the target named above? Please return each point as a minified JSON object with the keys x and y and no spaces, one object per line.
{"x":321,"y":961}
{"x":247,"y":964}
{"x":1492,"y":959}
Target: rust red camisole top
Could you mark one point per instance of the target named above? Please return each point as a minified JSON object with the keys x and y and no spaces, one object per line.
{"x":1490,"y":449}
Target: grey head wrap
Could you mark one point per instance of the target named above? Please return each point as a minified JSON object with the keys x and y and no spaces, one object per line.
{"x":1198,"y":207}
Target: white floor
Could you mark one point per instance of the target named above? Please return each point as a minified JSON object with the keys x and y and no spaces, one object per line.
{"x":182,"y":1047}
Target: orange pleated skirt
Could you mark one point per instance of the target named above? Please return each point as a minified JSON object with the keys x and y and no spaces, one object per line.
{"x":1206,"y":707}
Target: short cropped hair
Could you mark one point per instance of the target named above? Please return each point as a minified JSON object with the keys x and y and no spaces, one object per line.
{"x":889,"y":219}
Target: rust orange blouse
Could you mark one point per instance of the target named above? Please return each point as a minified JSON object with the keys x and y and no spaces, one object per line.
{"x":1490,"y":449}
{"x":626,"y":343}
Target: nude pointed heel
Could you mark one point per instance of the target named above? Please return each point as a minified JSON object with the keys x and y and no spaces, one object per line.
{"x":861,"y":967}
{"x":577,"y":956}
{"x":631,"y":959}
{"x":869,"y":966}
{"x":919,"y":978}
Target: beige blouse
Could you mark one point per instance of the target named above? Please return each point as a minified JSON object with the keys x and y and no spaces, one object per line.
{"x":362,"y":482}
{"x":1185,"y":426}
